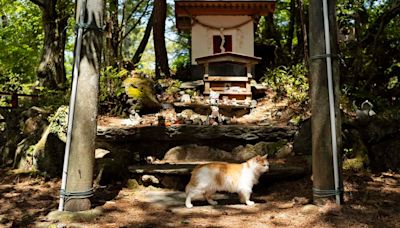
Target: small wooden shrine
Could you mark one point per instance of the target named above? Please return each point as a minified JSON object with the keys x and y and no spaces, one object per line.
{"x":222,"y":42}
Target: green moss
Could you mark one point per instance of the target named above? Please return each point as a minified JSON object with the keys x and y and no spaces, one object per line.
{"x":132,"y":184}
{"x":80,"y":216}
{"x":274,"y":147}
{"x":59,"y":122}
{"x":356,"y":164}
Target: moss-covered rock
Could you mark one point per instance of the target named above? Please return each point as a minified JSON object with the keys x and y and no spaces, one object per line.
{"x":141,"y":94}
{"x":132,"y":184}
{"x":355,"y":164}
{"x":81,"y":216}
{"x":48,"y":153}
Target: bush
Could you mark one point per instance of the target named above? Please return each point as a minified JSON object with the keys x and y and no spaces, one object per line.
{"x":290,"y":82}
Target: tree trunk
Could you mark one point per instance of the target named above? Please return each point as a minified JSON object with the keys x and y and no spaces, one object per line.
{"x":139,"y":51}
{"x":51,"y":70}
{"x":322,"y":164}
{"x":291,"y":26}
{"x":270,"y":32}
{"x":160,"y":15}
{"x":302,"y":36}
{"x":112,"y":35}
{"x":81,"y":159}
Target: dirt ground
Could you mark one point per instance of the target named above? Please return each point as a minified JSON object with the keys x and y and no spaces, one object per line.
{"x":370,"y":200}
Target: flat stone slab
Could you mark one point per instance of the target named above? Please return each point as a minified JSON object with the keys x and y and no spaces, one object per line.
{"x":198,"y":132}
{"x":185,"y":169}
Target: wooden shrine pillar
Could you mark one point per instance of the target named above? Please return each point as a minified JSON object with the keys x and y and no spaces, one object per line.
{"x":81,"y":159}
{"x":322,"y":152}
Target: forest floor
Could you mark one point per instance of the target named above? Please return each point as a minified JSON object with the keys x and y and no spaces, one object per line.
{"x":370,"y":200}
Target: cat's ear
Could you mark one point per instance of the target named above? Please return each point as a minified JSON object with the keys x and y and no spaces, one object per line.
{"x":265,"y":156}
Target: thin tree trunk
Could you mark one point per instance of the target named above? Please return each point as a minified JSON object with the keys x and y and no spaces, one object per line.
{"x":290,"y":34}
{"x":303,"y":39}
{"x":160,"y":15}
{"x":270,"y":32}
{"x":112,"y":35}
{"x":139,"y":51}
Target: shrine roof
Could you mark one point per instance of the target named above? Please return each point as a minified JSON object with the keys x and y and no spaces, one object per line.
{"x":186,"y":9}
{"x":213,"y":7}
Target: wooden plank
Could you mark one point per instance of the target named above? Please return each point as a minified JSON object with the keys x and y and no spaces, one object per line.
{"x":230,"y":93}
{"x":221,"y":106}
{"x":227,"y":78}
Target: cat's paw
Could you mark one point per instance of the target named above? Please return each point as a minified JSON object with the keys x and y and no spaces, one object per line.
{"x":189,"y":205}
{"x":249,"y":203}
{"x":212,"y":202}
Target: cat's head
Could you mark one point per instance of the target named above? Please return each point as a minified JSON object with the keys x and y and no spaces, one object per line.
{"x":261,"y":162}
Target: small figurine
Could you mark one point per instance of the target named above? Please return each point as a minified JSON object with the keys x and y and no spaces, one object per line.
{"x":214,"y":97}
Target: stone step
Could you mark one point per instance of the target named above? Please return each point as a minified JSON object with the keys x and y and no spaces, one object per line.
{"x":275,"y":172}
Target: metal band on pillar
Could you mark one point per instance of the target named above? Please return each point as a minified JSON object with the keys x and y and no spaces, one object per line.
{"x":77,"y":195}
{"x":322,"y":193}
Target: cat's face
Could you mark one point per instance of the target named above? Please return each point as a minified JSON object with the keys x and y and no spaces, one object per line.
{"x":262,"y":162}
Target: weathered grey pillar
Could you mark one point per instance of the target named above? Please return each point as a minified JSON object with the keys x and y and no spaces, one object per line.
{"x":322,"y":165}
{"x":81,"y":159}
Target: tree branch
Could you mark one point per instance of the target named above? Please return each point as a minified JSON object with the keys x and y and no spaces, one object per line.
{"x":125,"y":21}
{"x":136,"y":23}
{"x":139,"y":51}
{"x":380,"y":23}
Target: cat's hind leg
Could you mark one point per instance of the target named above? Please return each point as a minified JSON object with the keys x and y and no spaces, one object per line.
{"x":244,"y":197}
{"x":188,"y":202}
{"x":190,"y":193}
{"x":208,"y":196}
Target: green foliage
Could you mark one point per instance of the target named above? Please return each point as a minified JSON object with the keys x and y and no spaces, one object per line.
{"x":10,"y":82}
{"x":21,"y":39}
{"x":291,"y":82}
{"x":111,"y":83}
{"x":171,"y":85}
{"x":112,"y":90}
{"x":371,"y":68}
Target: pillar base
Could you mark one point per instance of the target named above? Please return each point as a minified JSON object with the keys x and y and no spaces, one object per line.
{"x":77,"y":205}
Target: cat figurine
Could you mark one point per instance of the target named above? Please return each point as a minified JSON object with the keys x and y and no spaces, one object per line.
{"x":221,"y":176}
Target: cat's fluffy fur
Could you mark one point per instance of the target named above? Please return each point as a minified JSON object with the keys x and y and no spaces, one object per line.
{"x":219,"y":176}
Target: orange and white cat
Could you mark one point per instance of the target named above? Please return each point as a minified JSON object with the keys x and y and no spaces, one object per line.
{"x":220,"y":176}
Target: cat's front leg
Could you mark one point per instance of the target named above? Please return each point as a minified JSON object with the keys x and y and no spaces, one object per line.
{"x":245,"y":198}
{"x":208,"y":195}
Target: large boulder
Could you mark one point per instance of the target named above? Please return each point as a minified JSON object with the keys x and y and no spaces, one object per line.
{"x":141,"y":94}
{"x":194,"y":152}
{"x":43,"y":148}
{"x":244,"y":153}
{"x":385,"y":155}
{"x":377,"y":129}
{"x":302,"y":141}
